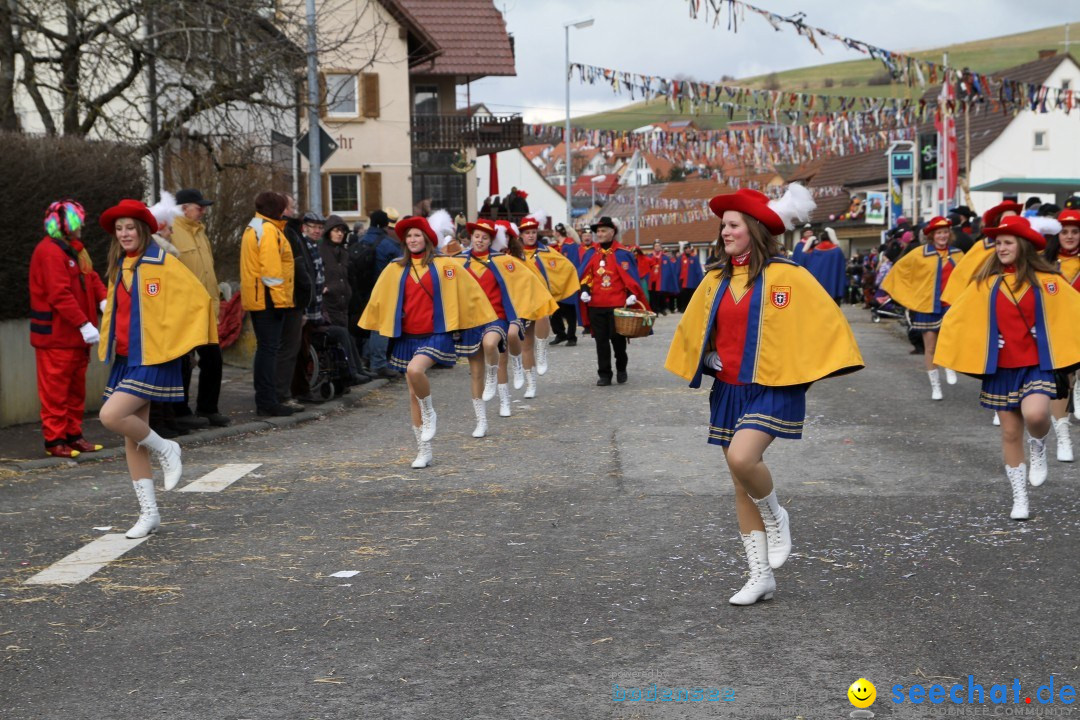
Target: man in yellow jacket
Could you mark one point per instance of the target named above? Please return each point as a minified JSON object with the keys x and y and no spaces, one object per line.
{"x":189,"y":237}
{"x":266,"y":288}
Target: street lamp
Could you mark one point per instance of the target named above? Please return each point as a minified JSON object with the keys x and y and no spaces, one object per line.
{"x":566,"y":26}
{"x":595,"y":179}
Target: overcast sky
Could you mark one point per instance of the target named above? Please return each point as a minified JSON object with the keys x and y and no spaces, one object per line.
{"x":658,"y":37}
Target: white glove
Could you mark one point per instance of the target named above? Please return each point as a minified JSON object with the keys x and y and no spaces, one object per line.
{"x":712,"y":360}
{"x":101,"y":305}
{"x":586,"y":297}
{"x":1001,"y":341}
{"x":1033,"y":334}
{"x":632,"y":300}
{"x":90,"y":334}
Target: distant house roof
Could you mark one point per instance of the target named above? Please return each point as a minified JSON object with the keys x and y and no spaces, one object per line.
{"x":471,"y":33}
{"x":704,"y":231}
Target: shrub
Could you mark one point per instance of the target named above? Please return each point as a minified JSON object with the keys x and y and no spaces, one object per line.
{"x":41,"y":170}
{"x":849,"y":82}
{"x":829,"y":82}
{"x":882,"y":78}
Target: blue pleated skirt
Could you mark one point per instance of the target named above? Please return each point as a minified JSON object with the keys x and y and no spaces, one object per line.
{"x":159,"y":383}
{"x":926,"y":322}
{"x":1008,"y":386}
{"x":777,"y":411}
{"x":438,"y":346}
{"x":471,"y":339}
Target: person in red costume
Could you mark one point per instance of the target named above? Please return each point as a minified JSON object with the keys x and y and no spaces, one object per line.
{"x":65,"y":297}
{"x":609,"y":280}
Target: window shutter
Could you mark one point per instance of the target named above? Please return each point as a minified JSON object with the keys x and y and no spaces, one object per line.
{"x":370,"y":87}
{"x":372,"y":192}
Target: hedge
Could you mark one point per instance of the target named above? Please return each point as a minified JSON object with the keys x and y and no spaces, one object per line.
{"x":41,"y":170}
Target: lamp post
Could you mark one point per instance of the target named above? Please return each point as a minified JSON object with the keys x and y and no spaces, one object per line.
{"x":593,"y":180}
{"x":566,"y":26}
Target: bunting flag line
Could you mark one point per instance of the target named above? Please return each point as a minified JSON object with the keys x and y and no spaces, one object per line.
{"x":904,"y":69}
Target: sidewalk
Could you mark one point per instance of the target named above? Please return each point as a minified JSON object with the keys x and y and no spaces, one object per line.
{"x":22,"y":447}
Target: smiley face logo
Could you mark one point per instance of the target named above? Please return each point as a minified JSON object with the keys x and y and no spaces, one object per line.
{"x":862,"y":693}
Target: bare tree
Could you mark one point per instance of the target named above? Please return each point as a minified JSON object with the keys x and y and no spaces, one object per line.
{"x":147,"y":72}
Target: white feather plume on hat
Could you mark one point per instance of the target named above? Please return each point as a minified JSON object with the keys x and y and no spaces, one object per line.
{"x":443,"y":226}
{"x":500,"y":241}
{"x":795,"y":206}
{"x":1045,"y":225}
{"x":540,"y":216}
{"x":830,"y":235}
{"x":166,"y":209}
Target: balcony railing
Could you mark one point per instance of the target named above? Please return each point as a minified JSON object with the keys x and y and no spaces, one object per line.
{"x":488,"y":133}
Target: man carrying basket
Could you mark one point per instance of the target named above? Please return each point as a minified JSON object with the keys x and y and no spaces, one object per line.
{"x":609,"y":280}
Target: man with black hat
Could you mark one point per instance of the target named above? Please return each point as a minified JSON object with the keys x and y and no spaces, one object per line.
{"x":609,"y":280}
{"x":189,"y":237}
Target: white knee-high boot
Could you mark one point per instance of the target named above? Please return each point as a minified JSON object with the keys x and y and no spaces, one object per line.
{"x":777,"y":528}
{"x":504,"y":401}
{"x":427,"y":418}
{"x":423,"y":450}
{"x":149,"y":519}
{"x":762,"y":583}
{"x":530,"y":383}
{"x":1064,"y":442}
{"x":935,"y":384}
{"x":1037,"y":469}
{"x":950,"y":376}
{"x":517,"y":370}
{"x":480,"y":408}
{"x":542,"y":356}
{"x":1019,"y":491}
{"x":167,"y":453}
{"x":491,"y":378}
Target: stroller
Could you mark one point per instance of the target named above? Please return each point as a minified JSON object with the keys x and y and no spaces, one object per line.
{"x":327,"y":367}
{"x":885,"y":307}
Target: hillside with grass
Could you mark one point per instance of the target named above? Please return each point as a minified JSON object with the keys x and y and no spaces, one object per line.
{"x":856,"y":77}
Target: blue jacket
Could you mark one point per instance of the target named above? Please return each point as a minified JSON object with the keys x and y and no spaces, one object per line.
{"x":387,"y":247}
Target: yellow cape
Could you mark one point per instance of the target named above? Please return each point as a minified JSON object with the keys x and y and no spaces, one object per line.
{"x":969,"y":333}
{"x":557,"y":271}
{"x":171,"y":313}
{"x":460,"y":301}
{"x":966,"y":269}
{"x":796,"y":332}
{"x":913,"y":280}
{"x":527,"y":292}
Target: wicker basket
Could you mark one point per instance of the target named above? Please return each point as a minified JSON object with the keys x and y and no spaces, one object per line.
{"x":634,"y":323}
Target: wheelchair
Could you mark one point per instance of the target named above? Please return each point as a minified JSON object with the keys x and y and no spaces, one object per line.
{"x":327,"y":367}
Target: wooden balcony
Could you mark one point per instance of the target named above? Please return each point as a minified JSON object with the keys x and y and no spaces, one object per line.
{"x":487,"y":133}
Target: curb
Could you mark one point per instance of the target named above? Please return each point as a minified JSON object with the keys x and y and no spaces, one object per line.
{"x":347,"y":402}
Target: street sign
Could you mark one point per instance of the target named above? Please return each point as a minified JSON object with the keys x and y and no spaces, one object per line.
{"x":327,"y":146}
{"x":903,"y":164}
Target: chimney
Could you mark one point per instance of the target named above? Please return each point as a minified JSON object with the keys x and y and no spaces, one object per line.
{"x":1043,"y":54}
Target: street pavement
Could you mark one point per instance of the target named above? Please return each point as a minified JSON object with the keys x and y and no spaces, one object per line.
{"x":585,"y":548}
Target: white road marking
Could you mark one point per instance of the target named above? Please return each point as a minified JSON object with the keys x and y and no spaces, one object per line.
{"x":221,"y":478}
{"x":85,"y":561}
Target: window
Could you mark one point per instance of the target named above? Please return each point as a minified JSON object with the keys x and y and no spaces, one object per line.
{"x":342,"y":95}
{"x":1041,"y":140}
{"x":1066,"y":84}
{"x":426,"y":100}
{"x":345,"y":194}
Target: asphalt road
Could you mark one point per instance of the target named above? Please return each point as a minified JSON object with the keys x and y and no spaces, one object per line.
{"x":586,"y":547}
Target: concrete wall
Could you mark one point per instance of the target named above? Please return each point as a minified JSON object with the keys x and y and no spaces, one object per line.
{"x":18,"y":376}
